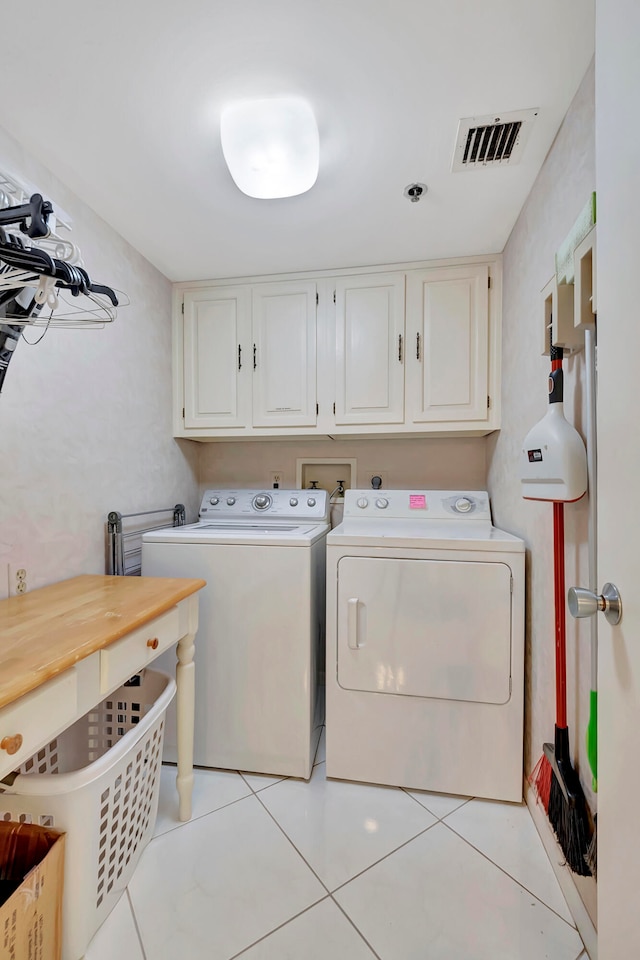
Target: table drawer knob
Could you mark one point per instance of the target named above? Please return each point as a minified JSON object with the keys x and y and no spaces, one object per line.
{"x":11,"y":744}
{"x":153,"y":643}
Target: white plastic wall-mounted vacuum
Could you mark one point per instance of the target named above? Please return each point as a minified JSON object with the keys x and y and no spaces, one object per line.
{"x":554,"y":458}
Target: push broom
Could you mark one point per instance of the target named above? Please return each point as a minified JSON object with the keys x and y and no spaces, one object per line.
{"x":591,"y":856}
{"x":554,"y":468}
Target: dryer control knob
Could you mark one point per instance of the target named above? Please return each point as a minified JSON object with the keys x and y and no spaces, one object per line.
{"x":262,"y":501}
{"x":231,"y":501}
{"x":214,"y":500}
{"x":362,"y":502}
{"x":311,"y":502}
{"x":293,"y":502}
{"x":382,"y":503}
{"x":463,"y":505}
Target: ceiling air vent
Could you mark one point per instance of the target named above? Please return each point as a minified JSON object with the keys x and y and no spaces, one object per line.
{"x":492,"y":140}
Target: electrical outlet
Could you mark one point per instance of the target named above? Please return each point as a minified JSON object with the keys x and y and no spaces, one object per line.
{"x":276,"y":479}
{"x":17,"y":579}
{"x":383,"y":477}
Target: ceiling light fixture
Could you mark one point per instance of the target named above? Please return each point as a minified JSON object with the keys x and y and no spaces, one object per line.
{"x":272,"y":147}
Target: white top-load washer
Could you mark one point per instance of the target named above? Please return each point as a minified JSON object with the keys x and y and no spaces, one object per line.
{"x":261,"y":625}
{"x":425,"y":644}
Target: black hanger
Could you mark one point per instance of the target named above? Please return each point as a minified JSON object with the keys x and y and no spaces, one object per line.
{"x":37,"y":211}
{"x":67,"y":276}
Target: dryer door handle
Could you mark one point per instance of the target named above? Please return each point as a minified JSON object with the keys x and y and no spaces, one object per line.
{"x":352,"y":622}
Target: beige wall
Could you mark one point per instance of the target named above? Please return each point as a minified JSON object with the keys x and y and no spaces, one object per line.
{"x":435,"y":464}
{"x":559,"y":193}
{"x":85,"y":416}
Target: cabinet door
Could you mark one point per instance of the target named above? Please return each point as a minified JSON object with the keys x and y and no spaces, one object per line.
{"x":217,"y":369}
{"x":284,"y":354}
{"x":370,"y":349}
{"x":447,"y":324}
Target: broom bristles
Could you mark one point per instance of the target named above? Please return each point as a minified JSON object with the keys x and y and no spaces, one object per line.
{"x":591,"y":856}
{"x":571,"y":826}
{"x":540,"y":780}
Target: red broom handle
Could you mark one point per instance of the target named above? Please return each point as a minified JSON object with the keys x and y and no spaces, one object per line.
{"x":560,"y":618}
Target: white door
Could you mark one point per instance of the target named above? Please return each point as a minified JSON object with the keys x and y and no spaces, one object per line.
{"x":217,"y":378}
{"x":370,"y":349}
{"x":618,"y":188}
{"x":284,"y":354}
{"x":425,"y":628}
{"x":448,"y":337}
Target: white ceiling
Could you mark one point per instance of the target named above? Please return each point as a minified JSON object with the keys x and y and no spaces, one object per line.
{"x":121,"y":100}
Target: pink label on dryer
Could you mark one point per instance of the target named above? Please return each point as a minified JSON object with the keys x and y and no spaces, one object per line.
{"x":417,"y":501}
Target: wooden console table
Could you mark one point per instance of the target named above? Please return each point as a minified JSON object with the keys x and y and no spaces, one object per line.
{"x":65,"y":647}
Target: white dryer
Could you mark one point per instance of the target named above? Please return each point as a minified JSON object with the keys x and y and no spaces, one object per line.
{"x":425,"y":644}
{"x":260,"y":638}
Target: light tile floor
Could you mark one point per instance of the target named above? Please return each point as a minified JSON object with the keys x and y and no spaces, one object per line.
{"x":272,"y":869}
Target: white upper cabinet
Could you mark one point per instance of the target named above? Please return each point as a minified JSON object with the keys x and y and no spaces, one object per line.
{"x":396,"y":351}
{"x":216,"y":361}
{"x":370,"y":349}
{"x":448,"y":327}
{"x":284,"y":354}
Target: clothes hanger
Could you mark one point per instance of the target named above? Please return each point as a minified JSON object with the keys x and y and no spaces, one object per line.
{"x":69,"y":277}
{"x":31,"y":217}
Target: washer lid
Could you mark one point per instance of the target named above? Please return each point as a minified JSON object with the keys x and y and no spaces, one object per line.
{"x":247,"y":533}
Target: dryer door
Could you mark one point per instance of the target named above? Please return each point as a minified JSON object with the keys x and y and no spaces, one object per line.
{"x":425,"y":628}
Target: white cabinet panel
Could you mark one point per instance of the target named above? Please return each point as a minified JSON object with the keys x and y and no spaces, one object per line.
{"x":425,"y":628}
{"x":448,"y":375}
{"x":216,"y":357}
{"x":284,"y":358}
{"x":390,"y":351}
{"x":370,"y":349}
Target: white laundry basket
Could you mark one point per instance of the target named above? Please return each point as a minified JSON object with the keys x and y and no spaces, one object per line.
{"x":99,"y":782}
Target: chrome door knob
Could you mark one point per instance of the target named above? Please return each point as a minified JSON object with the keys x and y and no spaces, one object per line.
{"x":584,"y":603}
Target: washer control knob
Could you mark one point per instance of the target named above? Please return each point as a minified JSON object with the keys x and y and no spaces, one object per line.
{"x":463,"y":505}
{"x":231,"y":501}
{"x":293,"y":502}
{"x":362,"y":502}
{"x":382,"y":503}
{"x":311,"y":502}
{"x":214,"y":500}
{"x":262,"y":501}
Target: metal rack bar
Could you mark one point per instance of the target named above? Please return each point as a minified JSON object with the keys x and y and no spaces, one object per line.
{"x":124,"y":548}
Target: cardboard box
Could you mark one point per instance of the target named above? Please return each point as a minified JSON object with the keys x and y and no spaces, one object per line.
{"x":32,"y":861}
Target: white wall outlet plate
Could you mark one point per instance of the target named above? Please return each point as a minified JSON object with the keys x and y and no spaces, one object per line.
{"x":16,"y":579}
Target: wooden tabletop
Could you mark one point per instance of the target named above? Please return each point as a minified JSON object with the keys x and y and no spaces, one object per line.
{"x":45,"y":631}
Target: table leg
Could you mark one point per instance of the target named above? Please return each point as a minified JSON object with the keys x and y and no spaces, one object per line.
{"x":185,"y":700}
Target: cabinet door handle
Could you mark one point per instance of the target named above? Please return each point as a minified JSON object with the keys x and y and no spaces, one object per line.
{"x":11,"y":744}
{"x":400,"y":347}
{"x":239,"y":357}
{"x":153,"y":643}
{"x":417,"y":346}
{"x":254,"y":357}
